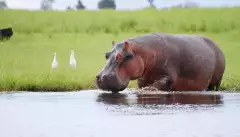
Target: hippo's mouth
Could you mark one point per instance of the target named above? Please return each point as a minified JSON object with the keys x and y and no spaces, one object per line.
{"x":112,"y":83}
{"x":112,"y":89}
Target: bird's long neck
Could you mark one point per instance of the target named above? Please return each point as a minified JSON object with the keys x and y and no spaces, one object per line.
{"x":54,"y":58}
{"x":72,"y":55}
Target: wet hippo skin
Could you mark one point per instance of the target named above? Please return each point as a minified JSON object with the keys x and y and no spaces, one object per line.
{"x":162,"y":61}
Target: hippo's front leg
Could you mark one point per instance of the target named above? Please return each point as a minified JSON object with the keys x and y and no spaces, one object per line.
{"x":164,"y":83}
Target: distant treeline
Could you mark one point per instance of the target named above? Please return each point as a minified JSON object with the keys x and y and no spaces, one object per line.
{"x":47,"y":5}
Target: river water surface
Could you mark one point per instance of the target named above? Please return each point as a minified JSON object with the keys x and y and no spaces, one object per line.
{"x":94,"y":113}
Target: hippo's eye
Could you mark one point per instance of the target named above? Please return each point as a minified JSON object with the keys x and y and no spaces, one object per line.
{"x":128,"y":56}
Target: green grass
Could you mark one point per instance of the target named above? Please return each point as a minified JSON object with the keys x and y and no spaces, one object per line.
{"x":25,"y":60}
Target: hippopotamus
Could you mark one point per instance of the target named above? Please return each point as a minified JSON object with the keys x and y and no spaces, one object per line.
{"x":167,"y":62}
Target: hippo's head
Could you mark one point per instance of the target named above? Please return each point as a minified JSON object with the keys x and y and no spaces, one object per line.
{"x":122,"y":65}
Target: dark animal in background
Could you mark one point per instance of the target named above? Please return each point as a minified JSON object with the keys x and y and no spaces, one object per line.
{"x":6,"y":33}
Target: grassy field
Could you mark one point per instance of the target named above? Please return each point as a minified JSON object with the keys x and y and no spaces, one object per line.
{"x":25,"y":60}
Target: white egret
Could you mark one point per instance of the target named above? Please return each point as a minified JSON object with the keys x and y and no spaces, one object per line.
{"x":54,"y":63}
{"x":73,"y":60}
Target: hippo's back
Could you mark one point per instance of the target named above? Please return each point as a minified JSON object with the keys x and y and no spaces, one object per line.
{"x":151,"y":40}
{"x":165,"y":40}
{"x":180,"y":46}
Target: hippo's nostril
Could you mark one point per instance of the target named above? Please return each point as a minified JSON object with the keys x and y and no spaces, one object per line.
{"x":104,"y":77}
{"x":98,"y":77}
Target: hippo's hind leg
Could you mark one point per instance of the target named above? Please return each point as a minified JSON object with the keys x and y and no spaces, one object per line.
{"x":210,"y":87}
{"x":216,"y":86}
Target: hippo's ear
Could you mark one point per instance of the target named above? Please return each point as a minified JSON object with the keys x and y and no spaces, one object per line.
{"x":113,"y":43}
{"x":126,"y":45}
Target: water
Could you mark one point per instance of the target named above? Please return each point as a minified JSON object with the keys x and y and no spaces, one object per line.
{"x":99,"y":114}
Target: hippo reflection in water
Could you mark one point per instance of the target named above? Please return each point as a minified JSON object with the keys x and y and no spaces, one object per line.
{"x":164,"y":62}
{"x":171,"y":98}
